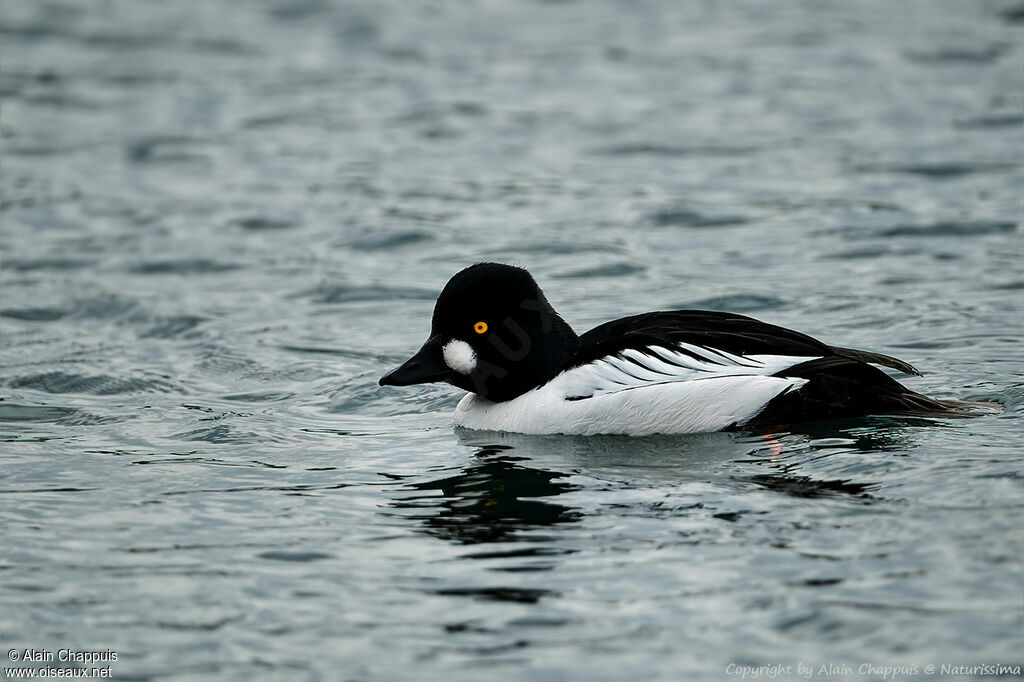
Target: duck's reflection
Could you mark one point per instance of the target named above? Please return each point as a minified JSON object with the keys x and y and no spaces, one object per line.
{"x":822,"y":440}
{"x":506,"y":493}
{"x":493,"y":499}
{"x":868,"y":434}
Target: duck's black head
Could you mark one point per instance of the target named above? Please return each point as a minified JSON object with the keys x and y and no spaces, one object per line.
{"x":493,"y":333}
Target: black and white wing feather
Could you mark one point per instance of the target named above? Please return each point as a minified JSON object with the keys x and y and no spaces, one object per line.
{"x":650,"y":366}
{"x":737,"y":335}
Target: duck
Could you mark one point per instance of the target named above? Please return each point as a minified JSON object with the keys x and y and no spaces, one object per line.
{"x":494,"y":335}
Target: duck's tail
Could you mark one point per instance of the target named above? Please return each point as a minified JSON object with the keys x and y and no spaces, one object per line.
{"x":915,"y":403}
{"x":845,"y":385}
{"x":924,"y":406}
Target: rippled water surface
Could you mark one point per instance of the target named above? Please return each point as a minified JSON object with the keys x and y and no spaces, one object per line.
{"x":223,"y":221}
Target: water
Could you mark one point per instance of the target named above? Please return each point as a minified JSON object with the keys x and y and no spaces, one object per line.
{"x":222,"y":222}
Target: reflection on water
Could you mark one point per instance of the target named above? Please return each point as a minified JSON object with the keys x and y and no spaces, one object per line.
{"x":504,"y":493}
{"x":638,"y":460}
{"x":494,"y":499}
{"x":791,"y":452}
{"x":803,"y":486}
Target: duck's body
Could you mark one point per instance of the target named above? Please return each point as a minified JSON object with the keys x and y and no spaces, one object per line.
{"x":672,"y":407}
{"x":496,"y":336}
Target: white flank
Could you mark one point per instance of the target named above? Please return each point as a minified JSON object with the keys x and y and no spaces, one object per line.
{"x":460,"y":356}
{"x":638,"y":394}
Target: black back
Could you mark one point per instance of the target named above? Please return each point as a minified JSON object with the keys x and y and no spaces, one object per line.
{"x":736,"y":334}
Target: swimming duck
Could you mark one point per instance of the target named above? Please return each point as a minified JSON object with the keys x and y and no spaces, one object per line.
{"x":495,"y":335}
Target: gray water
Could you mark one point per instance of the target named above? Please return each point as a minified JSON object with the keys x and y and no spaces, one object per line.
{"x":223,"y":221}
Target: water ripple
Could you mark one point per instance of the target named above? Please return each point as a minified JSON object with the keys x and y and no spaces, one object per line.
{"x":61,"y":382}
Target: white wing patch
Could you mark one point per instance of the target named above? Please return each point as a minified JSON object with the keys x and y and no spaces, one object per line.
{"x":658,"y":365}
{"x":686,"y":389}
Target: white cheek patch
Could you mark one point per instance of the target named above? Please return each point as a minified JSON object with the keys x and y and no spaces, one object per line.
{"x":460,"y":356}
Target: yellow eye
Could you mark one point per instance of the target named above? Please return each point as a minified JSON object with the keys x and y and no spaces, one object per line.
{"x":480,"y":327}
